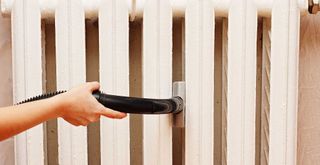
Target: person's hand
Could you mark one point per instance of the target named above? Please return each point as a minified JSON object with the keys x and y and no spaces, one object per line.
{"x":79,"y":107}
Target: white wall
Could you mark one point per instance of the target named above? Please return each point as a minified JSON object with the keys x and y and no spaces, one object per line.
{"x":6,"y":147}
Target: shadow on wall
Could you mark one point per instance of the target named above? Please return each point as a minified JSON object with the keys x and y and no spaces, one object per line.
{"x":309,"y":92}
{"x":6,"y":147}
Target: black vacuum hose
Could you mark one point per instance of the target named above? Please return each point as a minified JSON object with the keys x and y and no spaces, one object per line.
{"x":129,"y":104}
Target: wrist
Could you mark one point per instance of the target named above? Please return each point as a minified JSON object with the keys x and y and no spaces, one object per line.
{"x":58,"y":104}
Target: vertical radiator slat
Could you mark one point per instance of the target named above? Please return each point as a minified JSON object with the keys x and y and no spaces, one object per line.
{"x":284,"y":82}
{"x":241,"y":83}
{"x":27,"y":75}
{"x":157,"y":79}
{"x":114,"y":77}
{"x":70,"y":48}
{"x":199,"y":82}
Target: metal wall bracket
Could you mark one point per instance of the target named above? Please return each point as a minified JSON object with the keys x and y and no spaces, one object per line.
{"x":179,"y":89}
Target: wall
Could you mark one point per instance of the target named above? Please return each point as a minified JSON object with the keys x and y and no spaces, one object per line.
{"x":6,"y":147}
{"x":309,"y":92}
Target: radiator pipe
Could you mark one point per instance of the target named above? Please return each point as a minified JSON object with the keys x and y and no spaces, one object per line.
{"x":136,"y":7}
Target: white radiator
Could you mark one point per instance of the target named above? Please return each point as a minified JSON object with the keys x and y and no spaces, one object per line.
{"x":279,"y":84}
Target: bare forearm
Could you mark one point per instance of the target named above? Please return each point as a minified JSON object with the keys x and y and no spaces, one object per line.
{"x":16,"y":119}
{"x":77,"y":106}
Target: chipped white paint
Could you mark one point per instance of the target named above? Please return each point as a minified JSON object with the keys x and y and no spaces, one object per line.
{"x":157,"y":80}
{"x":199,"y":82}
{"x":114,"y":77}
{"x":284,"y":82}
{"x":241,"y":83}
{"x":27,"y":75}
{"x":70,"y":54}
